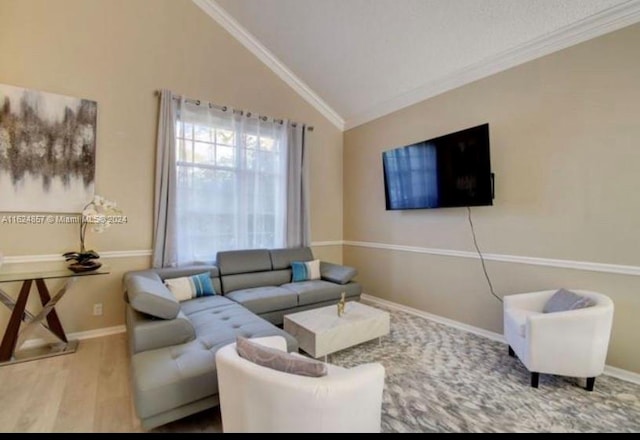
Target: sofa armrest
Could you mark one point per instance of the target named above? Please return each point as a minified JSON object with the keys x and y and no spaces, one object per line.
{"x":147,"y":294}
{"x":147,"y":333}
{"x":337,"y":273}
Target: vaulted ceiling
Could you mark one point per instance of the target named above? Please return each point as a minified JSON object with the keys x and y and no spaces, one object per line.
{"x":357,"y":60}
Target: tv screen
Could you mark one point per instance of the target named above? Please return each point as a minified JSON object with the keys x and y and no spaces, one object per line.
{"x":447,"y":171}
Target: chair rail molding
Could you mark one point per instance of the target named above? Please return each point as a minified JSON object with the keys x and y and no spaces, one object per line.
{"x":327,"y":243}
{"x":517,"y":259}
{"x":534,"y":261}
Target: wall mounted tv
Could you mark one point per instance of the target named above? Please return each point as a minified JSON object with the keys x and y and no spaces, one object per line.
{"x":447,"y":171}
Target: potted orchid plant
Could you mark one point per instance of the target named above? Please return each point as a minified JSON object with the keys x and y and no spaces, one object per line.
{"x":100,"y":213}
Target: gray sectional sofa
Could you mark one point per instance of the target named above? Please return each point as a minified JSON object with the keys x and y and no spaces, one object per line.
{"x":173,"y":344}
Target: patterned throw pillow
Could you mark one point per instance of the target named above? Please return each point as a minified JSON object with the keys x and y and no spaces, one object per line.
{"x":279,"y":360}
{"x":305,"y":270}
{"x":195,"y":286}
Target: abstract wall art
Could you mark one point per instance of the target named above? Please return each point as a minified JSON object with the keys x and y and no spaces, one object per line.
{"x":47,"y":151}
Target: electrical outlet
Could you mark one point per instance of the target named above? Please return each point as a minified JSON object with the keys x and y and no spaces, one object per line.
{"x":97,"y":309}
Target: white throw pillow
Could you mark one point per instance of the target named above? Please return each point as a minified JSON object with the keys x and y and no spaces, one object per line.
{"x":186,"y":288}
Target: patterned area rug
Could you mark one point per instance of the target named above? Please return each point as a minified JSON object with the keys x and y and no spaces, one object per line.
{"x":441,"y":379}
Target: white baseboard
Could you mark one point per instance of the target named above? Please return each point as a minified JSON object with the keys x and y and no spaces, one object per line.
{"x":89,"y":334}
{"x":618,"y":373}
{"x":439,"y":319}
{"x":621,"y":374}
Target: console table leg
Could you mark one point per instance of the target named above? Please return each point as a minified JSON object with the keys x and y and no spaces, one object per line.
{"x":11,"y":334}
{"x":55,"y":326}
{"x":46,"y":309}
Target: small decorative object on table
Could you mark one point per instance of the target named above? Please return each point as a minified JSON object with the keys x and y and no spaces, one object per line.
{"x":100,"y":213}
{"x":341,"y":305}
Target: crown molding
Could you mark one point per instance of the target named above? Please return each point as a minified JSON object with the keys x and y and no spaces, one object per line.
{"x":222,"y":17}
{"x":591,"y":27}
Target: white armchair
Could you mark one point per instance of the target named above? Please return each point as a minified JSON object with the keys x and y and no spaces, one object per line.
{"x":254,"y":398}
{"x":571,"y":343}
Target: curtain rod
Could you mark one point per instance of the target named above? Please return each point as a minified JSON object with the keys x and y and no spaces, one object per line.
{"x":224,"y":108}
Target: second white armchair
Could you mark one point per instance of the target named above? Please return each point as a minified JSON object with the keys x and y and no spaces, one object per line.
{"x":568,"y":343}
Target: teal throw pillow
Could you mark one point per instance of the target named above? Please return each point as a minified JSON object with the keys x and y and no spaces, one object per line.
{"x":195,"y":286}
{"x":305,"y":270}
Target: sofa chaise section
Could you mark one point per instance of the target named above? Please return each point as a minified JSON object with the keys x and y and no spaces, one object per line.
{"x":173,"y":357}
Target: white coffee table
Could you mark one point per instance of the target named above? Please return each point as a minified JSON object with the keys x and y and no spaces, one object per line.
{"x":321,"y":331}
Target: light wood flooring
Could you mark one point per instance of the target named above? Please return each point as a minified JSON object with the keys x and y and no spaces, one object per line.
{"x":87,"y":391}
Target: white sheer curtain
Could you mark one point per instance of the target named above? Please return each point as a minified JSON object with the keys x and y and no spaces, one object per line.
{"x":231,"y":184}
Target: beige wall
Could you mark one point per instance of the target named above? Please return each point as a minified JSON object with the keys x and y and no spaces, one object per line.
{"x":565,"y":131}
{"x":118,"y":52}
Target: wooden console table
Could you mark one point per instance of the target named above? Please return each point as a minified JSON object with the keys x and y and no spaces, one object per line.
{"x":14,"y":337}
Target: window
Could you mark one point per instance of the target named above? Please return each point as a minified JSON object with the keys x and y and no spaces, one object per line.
{"x":231,"y":176}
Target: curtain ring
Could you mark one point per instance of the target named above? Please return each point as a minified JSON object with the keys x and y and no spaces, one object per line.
{"x":224,"y":109}
{"x":198,"y":102}
{"x":248,"y":114}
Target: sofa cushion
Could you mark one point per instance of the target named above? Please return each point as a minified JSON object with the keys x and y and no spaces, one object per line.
{"x":337,"y":273}
{"x":265,"y":299}
{"x":150,"y":296}
{"x":246,"y":261}
{"x":282,"y":258}
{"x":310,"y":292}
{"x":279,"y":360}
{"x":305,"y":270}
{"x":205,"y":303}
{"x":194,"y":286}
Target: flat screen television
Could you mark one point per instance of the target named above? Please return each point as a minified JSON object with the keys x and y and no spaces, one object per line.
{"x":447,"y":171}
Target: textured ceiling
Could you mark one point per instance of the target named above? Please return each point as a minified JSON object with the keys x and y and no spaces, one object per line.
{"x":357,"y":55}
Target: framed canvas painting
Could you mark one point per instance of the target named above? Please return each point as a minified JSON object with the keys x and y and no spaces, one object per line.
{"x":47,"y":151}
